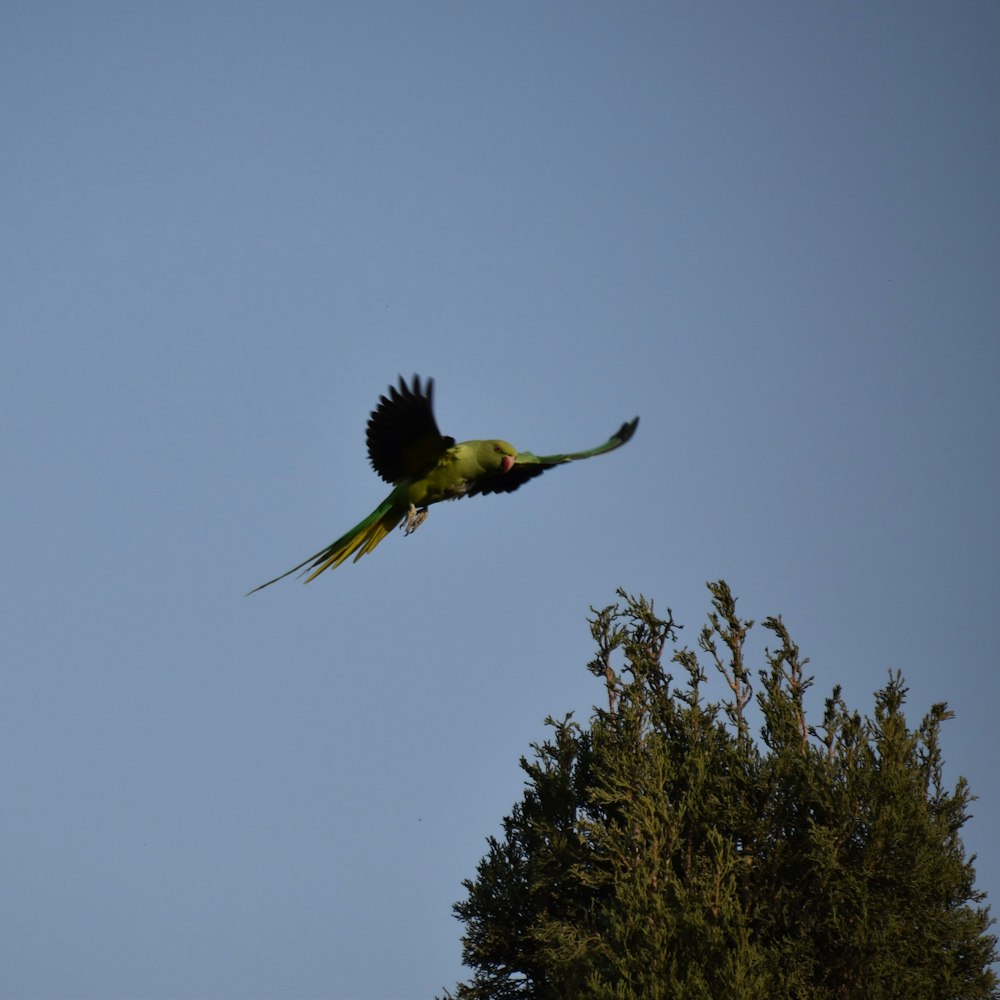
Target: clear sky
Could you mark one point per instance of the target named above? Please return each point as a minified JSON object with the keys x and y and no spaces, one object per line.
{"x":771,"y":230}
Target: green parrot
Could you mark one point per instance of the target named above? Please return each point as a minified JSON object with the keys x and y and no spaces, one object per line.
{"x":424,"y":466}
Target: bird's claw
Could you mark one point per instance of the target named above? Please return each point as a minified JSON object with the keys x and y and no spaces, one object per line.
{"x":414,"y":518}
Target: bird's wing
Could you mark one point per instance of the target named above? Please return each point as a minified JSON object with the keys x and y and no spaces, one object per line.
{"x":403,"y":436}
{"x":528,"y":465}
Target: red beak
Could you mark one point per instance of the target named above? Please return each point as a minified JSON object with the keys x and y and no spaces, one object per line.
{"x":506,"y":463}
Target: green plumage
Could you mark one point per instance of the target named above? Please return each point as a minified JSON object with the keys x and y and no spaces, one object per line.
{"x":425,"y":467}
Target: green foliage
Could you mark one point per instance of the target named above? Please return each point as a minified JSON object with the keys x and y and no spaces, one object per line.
{"x":664,"y":853}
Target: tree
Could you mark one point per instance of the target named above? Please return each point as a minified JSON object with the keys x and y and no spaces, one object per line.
{"x":664,"y":852}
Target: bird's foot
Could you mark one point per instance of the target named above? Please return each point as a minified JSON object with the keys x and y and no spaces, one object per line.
{"x":414,"y":518}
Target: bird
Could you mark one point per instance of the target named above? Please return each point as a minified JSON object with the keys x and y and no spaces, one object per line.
{"x":424,"y":467}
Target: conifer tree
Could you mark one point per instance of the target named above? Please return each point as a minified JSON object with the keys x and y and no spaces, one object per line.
{"x":664,"y":852}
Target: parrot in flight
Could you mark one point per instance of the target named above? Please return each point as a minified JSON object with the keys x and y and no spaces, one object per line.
{"x":424,"y":466}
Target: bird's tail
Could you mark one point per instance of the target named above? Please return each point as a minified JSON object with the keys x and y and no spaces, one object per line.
{"x":359,"y":541}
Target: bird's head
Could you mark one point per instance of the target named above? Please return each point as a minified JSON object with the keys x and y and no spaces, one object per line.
{"x":498,"y":456}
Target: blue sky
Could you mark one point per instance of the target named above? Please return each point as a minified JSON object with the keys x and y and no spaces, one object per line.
{"x":770,"y":230}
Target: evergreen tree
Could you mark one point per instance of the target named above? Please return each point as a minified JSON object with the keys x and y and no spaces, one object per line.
{"x":663,"y":852}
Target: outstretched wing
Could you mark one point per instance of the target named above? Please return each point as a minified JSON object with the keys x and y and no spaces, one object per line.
{"x":528,"y":465}
{"x":403,"y":436}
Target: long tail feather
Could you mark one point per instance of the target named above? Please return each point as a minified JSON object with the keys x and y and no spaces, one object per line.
{"x":361,"y":539}
{"x":357,"y":543}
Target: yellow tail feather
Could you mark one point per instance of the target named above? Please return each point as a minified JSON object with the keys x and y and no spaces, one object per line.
{"x":360,"y":543}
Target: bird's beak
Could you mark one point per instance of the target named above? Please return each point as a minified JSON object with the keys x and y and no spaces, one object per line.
{"x":506,"y":463}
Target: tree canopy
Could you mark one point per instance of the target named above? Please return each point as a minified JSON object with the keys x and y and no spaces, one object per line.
{"x":665,"y":851}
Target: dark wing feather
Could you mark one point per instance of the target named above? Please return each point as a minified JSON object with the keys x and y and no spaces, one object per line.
{"x":403,"y":436}
{"x":528,"y":465}
{"x":507,"y":482}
